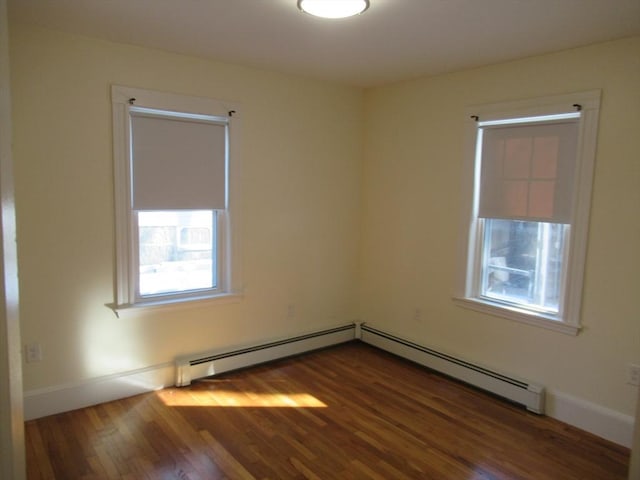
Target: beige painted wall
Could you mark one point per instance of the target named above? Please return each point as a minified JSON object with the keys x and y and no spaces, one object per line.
{"x":301,"y":161}
{"x":412,"y":204}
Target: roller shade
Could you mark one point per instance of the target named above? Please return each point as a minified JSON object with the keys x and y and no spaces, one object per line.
{"x":177,"y":163}
{"x":527,"y":171}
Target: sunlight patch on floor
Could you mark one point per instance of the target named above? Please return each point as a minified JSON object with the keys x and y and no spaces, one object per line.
{"x":227,"y":398}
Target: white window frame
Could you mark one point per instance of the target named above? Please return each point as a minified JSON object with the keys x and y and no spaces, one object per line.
{"x":466,"y":289}
{"x":228,"y":247}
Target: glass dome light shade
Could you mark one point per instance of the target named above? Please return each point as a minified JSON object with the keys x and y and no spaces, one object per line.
{"x":333,"y":8}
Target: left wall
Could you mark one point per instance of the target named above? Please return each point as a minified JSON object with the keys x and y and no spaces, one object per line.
{"x":301,"y":155}
{"x":12,"y":458}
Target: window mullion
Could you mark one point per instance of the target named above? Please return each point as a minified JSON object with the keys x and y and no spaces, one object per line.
{"x":479,"y":254}
{"x":134,"y":256}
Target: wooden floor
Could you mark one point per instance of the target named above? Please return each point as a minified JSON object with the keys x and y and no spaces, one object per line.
{"x":349,"y":412}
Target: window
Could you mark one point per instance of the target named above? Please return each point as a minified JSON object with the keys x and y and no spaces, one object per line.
{"x":176,"y":194}
{"x":529,"y":172}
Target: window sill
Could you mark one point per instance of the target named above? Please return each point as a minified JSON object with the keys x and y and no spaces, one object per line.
{"x":178,"y":304}
{"x":516,"y":314}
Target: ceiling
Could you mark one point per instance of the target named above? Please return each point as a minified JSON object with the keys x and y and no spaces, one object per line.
{"x":394,"y":40}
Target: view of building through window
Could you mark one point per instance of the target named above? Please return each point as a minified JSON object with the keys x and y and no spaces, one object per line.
{"x":522,"y":263}
{"x":176,"y":251}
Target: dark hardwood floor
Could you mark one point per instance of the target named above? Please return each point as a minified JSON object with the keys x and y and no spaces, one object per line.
{"x":348,"y":412}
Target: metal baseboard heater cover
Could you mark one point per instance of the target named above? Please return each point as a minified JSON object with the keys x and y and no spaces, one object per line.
{"x":519,"y":391}
{"x":192,"y":367}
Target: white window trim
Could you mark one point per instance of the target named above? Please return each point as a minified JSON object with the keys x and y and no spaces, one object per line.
{"x":589,"y":104}
{"x":230,"y":242}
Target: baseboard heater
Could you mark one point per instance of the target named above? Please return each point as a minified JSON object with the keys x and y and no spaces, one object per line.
{"x":516,"y":390}
{"x":192,"y":367}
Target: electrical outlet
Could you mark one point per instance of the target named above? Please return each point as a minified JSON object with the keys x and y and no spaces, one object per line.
{"x":33,"y":353}
{"x":633,"y":374}
{"x":291,"y":311}
{"x":417,"y":314}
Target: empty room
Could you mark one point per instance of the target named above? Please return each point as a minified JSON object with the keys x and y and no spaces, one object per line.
{"x":260,"y":239}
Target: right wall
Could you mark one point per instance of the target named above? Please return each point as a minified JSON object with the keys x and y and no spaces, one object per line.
{"x":412,"y":217}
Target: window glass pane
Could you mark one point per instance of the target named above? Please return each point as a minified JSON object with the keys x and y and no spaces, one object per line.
{"x":517,"y":158}
{"x":176,"y":251}
{"x":522,"y":263}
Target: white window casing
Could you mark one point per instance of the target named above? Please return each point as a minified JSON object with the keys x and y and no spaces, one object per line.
{"x":167,"y":126}
{"x":568,"y":204}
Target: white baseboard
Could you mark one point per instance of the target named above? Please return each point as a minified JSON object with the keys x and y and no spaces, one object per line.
{"x":601,"y":421}
{"x":63,"y":398}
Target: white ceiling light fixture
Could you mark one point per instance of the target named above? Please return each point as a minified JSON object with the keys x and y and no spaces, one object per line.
{"x":333,"y":8}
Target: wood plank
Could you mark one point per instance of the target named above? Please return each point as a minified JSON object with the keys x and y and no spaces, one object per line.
{"x":348,"y":412}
